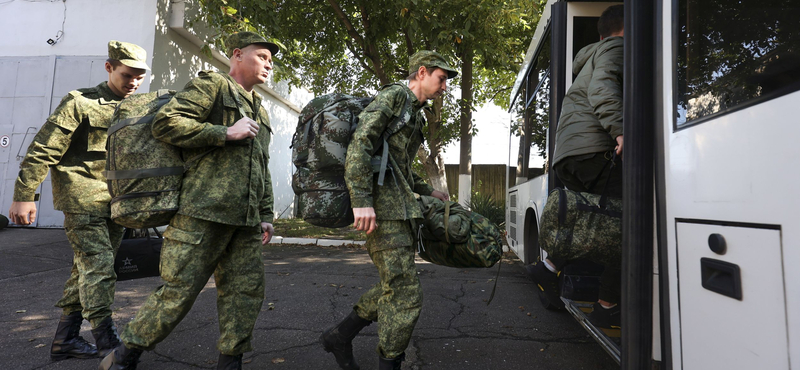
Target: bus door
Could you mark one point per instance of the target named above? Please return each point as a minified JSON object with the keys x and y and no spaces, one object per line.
{"x":731,"y":76}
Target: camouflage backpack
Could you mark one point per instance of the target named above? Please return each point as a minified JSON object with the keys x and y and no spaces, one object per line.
{"x":319,"y":148}
{"x":450,"y":235}
{"x":143,"y":174}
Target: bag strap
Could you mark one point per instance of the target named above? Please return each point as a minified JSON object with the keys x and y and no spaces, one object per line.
{"x":392,"y":129}
{"x":447,"y":222}
{"x":603,"y":195}
{"x":496,"y":277}
{"x":238,"y":100}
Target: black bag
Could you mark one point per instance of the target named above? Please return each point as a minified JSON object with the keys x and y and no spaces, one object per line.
{"x":138,"y":257}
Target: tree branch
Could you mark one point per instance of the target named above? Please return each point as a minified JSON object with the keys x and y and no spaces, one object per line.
{"x":368,"y":48}
{"x":499,"y":91}
{"x":346,"y":22}
{"x":358,"y":57}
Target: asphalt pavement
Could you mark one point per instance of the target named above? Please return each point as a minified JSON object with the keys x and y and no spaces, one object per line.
{"x":308,"y":289}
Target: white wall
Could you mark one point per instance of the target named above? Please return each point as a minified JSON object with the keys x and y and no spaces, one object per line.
{"x":88,"y":25}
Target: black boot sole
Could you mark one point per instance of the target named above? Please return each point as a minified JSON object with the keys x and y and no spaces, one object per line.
{"x":65,"y":356}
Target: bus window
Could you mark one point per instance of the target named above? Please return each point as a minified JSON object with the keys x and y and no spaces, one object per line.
{"x":733,"y":54}
{"x":532,"y":113}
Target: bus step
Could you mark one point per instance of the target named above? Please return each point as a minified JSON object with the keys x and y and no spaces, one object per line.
{"x":604,"y":337}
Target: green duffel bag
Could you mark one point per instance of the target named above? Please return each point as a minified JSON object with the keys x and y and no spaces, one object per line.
{"x":581,"y":225}
{"x":450,"y":235}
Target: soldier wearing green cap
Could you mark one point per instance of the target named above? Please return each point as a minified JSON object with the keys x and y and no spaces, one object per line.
{"x":225,"y":213}
{"x":72,"y":146}
{"x":386,"y":213}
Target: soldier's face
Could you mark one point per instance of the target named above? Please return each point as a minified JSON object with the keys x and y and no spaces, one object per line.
{"x":124,"y":80}
{"x":256,"y":63}
{"x":434,"y":83}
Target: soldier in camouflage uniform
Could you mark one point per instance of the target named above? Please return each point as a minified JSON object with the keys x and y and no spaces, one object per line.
{"x":386,"y":212}
{"x":225,"y":209}
{"x":72,"y":145}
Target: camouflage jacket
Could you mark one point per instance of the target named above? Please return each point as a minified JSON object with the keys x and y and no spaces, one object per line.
{"x":231,"y":183}
{"x":72,"y":145}
{"x":591,"y":116}
{"x":395,"y":199}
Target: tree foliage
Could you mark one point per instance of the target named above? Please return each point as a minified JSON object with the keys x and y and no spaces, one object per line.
{"x":354,"y":46}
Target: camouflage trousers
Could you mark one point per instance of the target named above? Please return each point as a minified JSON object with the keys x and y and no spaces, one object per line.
{"x":395,"y":302}
{"x":92,"y":281}
{"x":193,"y":250}
{"x":578,"y":173}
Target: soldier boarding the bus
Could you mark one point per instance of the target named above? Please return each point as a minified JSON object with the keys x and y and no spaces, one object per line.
{"x":589,"y":130}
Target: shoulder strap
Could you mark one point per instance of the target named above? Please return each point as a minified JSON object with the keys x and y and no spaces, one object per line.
{"x":235,"y":94}
{"x":392,"y":129}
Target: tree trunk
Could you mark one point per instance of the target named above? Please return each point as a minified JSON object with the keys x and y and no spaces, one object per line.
{"x":432,"y":160}
{"x":465,"y":163}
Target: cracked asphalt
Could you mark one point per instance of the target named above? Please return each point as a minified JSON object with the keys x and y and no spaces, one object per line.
{"x":309,"y":288}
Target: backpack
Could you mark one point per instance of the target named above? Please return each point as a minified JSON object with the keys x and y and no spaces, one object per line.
{"x":143,"y":173}
{"x":450,"y":235}
{"x":319,"y":149}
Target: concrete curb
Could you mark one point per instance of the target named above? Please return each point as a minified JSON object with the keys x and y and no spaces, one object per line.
{"x":319,"y":242}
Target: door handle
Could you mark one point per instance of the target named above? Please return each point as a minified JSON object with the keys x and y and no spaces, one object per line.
{"x":721,"y":277}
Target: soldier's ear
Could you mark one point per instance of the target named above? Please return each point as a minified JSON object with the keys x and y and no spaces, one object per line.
{"x":109,"y":67}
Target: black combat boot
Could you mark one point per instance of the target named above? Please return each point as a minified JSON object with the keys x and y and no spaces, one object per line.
{"x":339,"y":340}
{"x":227,"y":362}
{"x":121,"y":358}
{"x":68,"y":341}
{"x":391,"y":363}
{"x":105,"y":337}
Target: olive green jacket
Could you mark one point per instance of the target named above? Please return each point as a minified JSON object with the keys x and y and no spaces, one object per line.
{"x":591,"y":115}
{"x":231,"y":183}
{"x":394,"y":200}
{"x":72,"y":145}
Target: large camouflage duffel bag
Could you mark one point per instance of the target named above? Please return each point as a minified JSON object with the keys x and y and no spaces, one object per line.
{"x":319,"y":149}
{"x":581,"y":225}
{"x":144,"y":174}
{"x":450,"y":235}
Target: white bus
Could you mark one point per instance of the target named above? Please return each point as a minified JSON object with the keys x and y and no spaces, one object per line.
{"x":711,"y":217}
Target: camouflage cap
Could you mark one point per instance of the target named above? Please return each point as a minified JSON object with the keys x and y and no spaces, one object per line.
{"x":131,"y":55}
{"x":429,"y":58}
{"x":240,"y":40}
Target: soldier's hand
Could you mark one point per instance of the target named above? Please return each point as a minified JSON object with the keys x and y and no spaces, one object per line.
{"x":441,"y":196}
{"x":618,"y":148}
{"x":22,"y":213}
{"x":242,"y":129}
{"x":268,"y":231}
{"x":365,"y":219}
